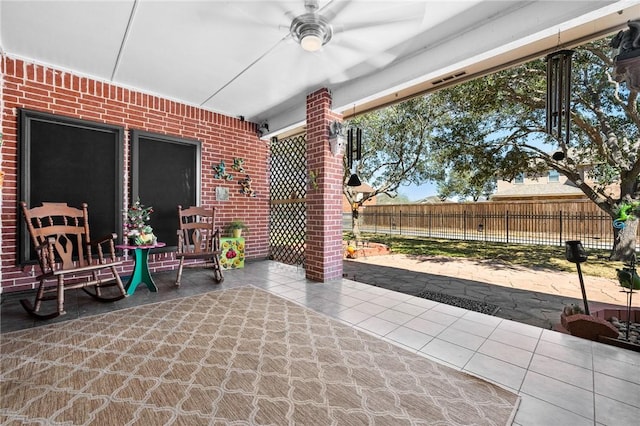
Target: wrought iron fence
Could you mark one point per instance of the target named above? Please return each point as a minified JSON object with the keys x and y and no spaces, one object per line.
{"x":593,"y":229}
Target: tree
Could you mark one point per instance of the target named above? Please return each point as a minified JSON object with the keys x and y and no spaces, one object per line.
{"x":395,"y":150}
{"x":398,"y":199}
{"x":496,"y":123}
{"x":495,"y":126}
{"x":465,"y":185}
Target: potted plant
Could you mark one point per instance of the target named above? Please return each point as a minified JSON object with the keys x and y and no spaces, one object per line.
{"x":236,"y":227}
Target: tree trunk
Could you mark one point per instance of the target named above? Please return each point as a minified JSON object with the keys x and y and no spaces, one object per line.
{"x":355,"y":225}
{"x":624,"y":243}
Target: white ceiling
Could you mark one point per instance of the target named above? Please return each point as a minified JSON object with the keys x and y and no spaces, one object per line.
{"x":237,"y":57}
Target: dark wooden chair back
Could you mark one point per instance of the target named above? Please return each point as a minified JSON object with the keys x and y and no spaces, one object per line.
{"x":62,"y":240}
{"x":198,"y":238}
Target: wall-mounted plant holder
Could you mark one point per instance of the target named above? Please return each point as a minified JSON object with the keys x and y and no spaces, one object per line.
{"x":220,"y":172}
{"x":246,"y":187}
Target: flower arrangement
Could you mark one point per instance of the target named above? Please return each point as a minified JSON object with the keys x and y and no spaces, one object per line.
{"x":136,"y":226}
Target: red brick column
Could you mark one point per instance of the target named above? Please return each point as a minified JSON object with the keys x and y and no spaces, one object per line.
{"x":324,"y":204}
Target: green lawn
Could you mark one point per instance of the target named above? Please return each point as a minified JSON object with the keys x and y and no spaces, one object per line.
{"x":549,"y":257}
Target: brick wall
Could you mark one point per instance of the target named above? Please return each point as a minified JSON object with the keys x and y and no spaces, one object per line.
{"x":324,"y":215}
{"x":36,"y":87}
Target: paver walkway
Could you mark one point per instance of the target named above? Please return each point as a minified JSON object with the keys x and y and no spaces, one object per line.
{"x":531,"y":296}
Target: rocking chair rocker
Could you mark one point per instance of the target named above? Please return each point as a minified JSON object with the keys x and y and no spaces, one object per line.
{"x":61,"y":238}
{"x":198,"y":239}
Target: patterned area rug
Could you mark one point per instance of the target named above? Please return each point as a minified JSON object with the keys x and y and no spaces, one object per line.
{"x":241,"y":356}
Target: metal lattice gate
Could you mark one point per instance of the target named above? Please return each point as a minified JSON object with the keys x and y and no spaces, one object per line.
{"x":288,"y":218}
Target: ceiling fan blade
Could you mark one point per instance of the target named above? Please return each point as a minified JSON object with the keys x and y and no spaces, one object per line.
{"x":361,"y":61}
{"x":381,"y":57}
{"x":289,"y":14}
{"x":333,"y":9}
{"x":243,"y":15}
{"x":338,"y":28}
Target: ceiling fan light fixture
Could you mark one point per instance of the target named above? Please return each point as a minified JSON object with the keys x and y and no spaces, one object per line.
{"x":311,"y":31}
{"x":311,"y":42}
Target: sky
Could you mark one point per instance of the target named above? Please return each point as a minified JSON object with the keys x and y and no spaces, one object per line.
{"x":416,"y":193}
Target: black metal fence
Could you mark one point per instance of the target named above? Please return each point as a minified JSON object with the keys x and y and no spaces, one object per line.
{"x":593,"y":229}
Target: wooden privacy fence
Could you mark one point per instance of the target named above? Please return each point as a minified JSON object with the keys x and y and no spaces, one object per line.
{"x":540,"y":222}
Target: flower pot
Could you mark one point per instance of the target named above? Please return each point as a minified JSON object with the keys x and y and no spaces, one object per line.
{"x":237,"y":233}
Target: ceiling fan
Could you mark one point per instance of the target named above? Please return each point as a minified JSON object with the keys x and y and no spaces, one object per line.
{"x":353,"y":31}
{"x":316,"y":27}
{"x":311,"y":29}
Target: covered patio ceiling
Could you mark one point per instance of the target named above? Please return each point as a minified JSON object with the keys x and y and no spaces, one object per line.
{"x":239,"y":58}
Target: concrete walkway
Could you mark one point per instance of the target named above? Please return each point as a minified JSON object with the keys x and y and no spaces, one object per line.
{"x":530,"y":296}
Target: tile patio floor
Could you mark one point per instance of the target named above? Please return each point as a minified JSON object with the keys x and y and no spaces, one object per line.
{"x":563,"y":380}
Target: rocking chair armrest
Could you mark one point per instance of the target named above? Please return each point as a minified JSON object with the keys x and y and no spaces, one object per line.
{"x":105,"y":239}
{"x":47,"y":253}
{"x":99,"y":244}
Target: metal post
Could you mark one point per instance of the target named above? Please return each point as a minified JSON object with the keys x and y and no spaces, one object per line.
{"x":506,"y":216}
{"x":632,"y":269}
{"x":464,"y":225}
{"x":575,"y":253}
{"x":584,"y":293}
{"x":561,"y":228}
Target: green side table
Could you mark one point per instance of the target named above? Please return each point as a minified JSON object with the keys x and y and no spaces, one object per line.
{"x":140,"y":272}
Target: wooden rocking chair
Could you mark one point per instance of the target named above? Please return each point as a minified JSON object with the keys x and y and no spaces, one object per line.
{"x":198,"y":239}
{"x":61,"y":238}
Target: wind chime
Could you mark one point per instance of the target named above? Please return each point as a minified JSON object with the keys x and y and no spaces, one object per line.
{"x":354,"y":152}
{"x":559,"y":97}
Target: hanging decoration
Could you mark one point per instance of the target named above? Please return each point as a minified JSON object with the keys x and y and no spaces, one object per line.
{"x":220,"y":172}
{"x":313,"y":179}
{"x":336,"y":138}
{"x":238,"y":165}
{"x":626,"y":62}
{"x":354,"y":152}
{"x":222,"y":193}
{"x":246,"y":187}
{"x":626,"y":211}
{"x":559,"y":95}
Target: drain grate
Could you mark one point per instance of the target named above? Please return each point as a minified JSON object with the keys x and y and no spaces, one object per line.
{"x":460,"y":302}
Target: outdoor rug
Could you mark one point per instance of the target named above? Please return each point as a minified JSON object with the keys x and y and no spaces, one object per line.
{"x":241,"y":356}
